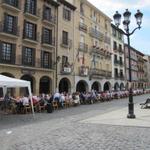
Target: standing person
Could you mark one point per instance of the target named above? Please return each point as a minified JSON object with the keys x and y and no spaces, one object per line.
{"x":6,"y":103}
{"x":57,"y":98}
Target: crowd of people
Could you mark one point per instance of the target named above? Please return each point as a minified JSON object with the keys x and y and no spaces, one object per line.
{"x":60,"y":100}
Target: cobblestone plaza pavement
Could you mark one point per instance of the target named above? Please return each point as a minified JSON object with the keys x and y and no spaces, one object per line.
{"x":101,"y":126}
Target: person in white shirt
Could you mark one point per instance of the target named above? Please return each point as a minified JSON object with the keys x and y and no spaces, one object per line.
{"x":25,"y":101}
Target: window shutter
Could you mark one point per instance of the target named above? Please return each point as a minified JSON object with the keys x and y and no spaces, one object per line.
{"x":15,"y":27}
{"x":13,"y":54}
{"x":17,"y":3}
{"x":33,"y":57}
{"x":44,"y":12}
{"x":0,"y":51}
{"x":42,"y":59}
{"x":24,"y":29}
{"x":50,"y":60}
{"x":5,"y":22}
{"x":51,"y":37}
{"x":43,"y":35}
{"x":25,"y":6}
{"x":23,"y":54}
{"x":34,"y":32}
{"x":69,"y":17}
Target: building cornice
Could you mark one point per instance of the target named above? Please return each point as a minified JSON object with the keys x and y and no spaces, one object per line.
{"x":67,"y":4}
{"x":96,"y":9}
{"x":52,"y":2}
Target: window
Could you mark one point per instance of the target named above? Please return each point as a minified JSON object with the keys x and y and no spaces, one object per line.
{"x":120,"y":59}
{"x":64,"y":61}
{"x":12,"y":2}
{"x":115,"y":45}
{"x":116,"y":72}
{"x":119,"y":35}
{"x":66,"y":14}
{"x":28,"y":56}
{"x":30,"y":6}
{"x":65,"y":38}
{"x":121,"y":73}
{"x":10,"y":24}
{"x":47,"y":36}
{"x":115,"y":58}
{"x":30,"y":30}
{"x":46,"y":59}
{"x":47,"y":13}
{"x":106,"y":26}
{"x":7,"y":51}
{"x":81,"y":9}
{"x":120,"y":47}
{"x":114,"y":31}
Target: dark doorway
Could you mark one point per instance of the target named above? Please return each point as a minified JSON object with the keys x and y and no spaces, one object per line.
{"x":116,"y":87}
{"x":44,"y":85}
{"x":96,"y":86}
{"x":107,"y":86}
{"x":82,"y":86}
{"x":64,"y":85}
{"x":122,"y":86}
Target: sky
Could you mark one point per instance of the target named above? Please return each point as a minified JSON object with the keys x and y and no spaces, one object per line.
{"x":140,"y":40}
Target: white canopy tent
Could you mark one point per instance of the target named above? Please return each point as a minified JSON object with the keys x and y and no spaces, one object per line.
{"x":8,"y":82}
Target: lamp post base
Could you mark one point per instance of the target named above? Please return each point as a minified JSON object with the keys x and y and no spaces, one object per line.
{"x":131,"y":114}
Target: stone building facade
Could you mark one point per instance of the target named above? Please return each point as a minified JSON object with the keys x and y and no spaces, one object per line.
{"x":28,"y":41}
{"x":118,"y":62}
{"x":93,"y":68}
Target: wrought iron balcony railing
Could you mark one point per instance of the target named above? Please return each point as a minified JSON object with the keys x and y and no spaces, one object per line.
{"x":83,"y":47}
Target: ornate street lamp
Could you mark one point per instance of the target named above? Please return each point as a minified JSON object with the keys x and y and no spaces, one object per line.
{"x":126,"y":22}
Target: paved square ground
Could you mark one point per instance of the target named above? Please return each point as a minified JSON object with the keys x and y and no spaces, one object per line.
{"x":119,"y":117}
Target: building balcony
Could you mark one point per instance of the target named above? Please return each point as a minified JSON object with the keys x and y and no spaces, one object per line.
{"x":48,"y":42}
{"x":82,"y":27}
{"x":107,"y":39}
{"x":47,"y":66}
{"x":107,"y":55}
{"x":65,"y":69}
{"x":49,"y":19}
{"x":11,"y":5}
{"x":97,"y":72}
{"x":120,"y":50}
{"x":119,"y":76}
{"x":115,"y":48}
{"x":116,"y":62}
{"x":83,"y":47}
{"x":83,"y":71}
{"x":33,"y":17}
{"x":66,"y":43}
{"x":34,"y":40}
{"x":121,"y":63}
{"x":97,"y":50}
{"x":108,"y":74}
{"x":122,"y":77}
{"x":4,"y":31}
{"x":95,"y":33}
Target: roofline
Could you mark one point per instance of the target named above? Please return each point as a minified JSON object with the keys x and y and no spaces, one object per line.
{"x":54,"y":3}
{"x":98,"y":10}
{"x":118,"y":29}
{"x":67,"y":4}
{"x":135,"y":50}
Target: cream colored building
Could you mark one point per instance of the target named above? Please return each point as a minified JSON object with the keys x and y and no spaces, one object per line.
{"x":28,"y":42}
{"x":65,"y":47}
{"x":118,"y":62}
{"x":93,"y":69}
